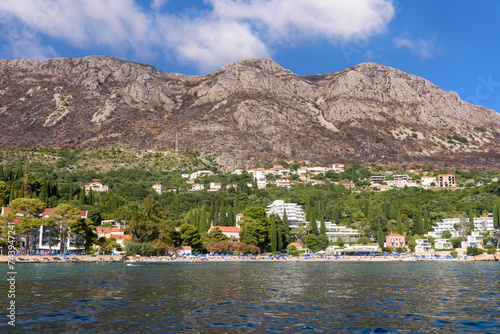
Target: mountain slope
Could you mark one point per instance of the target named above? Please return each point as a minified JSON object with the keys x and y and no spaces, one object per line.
{"x":253,"y":110}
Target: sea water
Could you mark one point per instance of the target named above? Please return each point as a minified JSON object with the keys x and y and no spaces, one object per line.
{"x":261,"y":297}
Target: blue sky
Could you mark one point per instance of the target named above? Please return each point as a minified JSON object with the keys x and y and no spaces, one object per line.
{"x":453,"y":43}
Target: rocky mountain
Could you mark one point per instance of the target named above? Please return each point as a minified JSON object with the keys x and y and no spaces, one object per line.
{"x":253,"y":110}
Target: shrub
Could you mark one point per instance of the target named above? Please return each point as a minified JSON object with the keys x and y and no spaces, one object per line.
{"x":474,"y":251}
{"x":491,"y":251}
{"x":454,"y":254}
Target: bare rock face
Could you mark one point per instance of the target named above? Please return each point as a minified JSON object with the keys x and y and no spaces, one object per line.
{"x":253,"y":110}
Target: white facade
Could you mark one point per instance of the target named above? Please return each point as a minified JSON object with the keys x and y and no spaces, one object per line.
{"x":473,"y":240}
{"x":261,"y":184}
{"x":258,"y":173}
{"x":197,"y":186}
{"x":334,"y":232}
{"x":426,"y":181}
{"x":338,"y":168}
{"x":215,"y":186}
{"x":294,"y":212}
{"x":283,"y":183}
{"x":199,"y":173}
{"x":423,"y":246}
{"x":400,"y":183}
{"x":157,"y":188}
{"x":484,"y":223}
{"x":442,"y":244}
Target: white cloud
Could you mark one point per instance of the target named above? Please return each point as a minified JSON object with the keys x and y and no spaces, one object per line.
{"x":424,"y":49}
{"x":226,"y":32}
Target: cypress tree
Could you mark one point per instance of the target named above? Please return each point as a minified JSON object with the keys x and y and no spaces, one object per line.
{"x":322,"y":228}
{"x":285,"y":219}
{"x":313,"y":223}
{"x":19,"y":172}
{"x":2,"y":178}
{"x":471,"y":220}
{"x":380,"y":236}
{"x":427,"y":223}
{"x":419,"y":224}
{"x":70,"y":197}
{"x":399,"y":226}
{"x":496,"y":215}
{"x":81,"y":197}
{"x":273,"y":236}
{"x":231,"y":216}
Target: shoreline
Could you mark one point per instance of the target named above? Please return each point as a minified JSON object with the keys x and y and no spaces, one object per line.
{"x":233,"y":258}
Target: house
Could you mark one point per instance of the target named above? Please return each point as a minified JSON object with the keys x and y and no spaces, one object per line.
{"x":473,"y":240}
{"x":427,"y":181}
{"x":402,"y":176}
{"x":298,"y":246}
{"x":197,"y":186}
{"x":400,"y":183}
{"x":261,"y":184}
{"x":258,"y":173}
{"x":423,"y":246}
{"x":249,"y":185}
{"x":283,"y":183}
{"x":377,"y":179}
{"x":239,"y":217}
{"x":185,"y":176}
{"x":348,"y":235}
{"x":442,"y":244}
{"x":316,"y":182}
{"x":215,"y":186}
{"x":394,"y":240}
{"x":40,"y":236}
{"x":484,"y":223}
{"x":446,"y":180}
{"x":338,"y":168}
{"x":238,"y":171}
{"x":200,"y":173}
{"x":231,"y":186}
{"x":232,"y":232}
{"x":157,"y":188}
{"x":95,"y":186}
{"x":294,"y":213}
{"x":349,"y":185}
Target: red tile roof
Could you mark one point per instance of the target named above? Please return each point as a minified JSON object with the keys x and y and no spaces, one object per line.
{"x":229,"y":229}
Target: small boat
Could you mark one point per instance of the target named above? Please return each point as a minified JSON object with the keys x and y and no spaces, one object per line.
{"x":132,"y":265}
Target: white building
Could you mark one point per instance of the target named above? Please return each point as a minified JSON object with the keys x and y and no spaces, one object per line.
{"x":446,"y":180}
{"x":157,"y":188}
{"x":261,"y":184}
{"x":400,"y":183}
{"x":473,"y":240}
{"x":338,"y":168}
{"x":423,"y":246}
{"x":258,"y":173}
{"x":442,"y":244}
{"x":294,"y":213}
{"x":197,"y":186}
{"x":283,"y":183}
{"x":484,"y":223}
{"x":185,"y":176}
{"x":199,"y":173}
{"x":95,"y":186}
{"x":215,"y":186}
{"x":427,"y":181}
{"x":334,"y":232}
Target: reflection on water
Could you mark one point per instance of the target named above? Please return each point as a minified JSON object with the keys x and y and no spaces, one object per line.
{"x":231,"y":297}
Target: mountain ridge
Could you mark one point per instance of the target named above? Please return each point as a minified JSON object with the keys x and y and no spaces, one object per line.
{"x":250,"y":111}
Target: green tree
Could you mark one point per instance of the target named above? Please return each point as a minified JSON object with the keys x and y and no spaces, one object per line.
{"x":456,"y":242}
{"x":380,"y":237}
{"x":323,"y":241}
{"x":313,"y":224}
{"x":412,"y":244}
{"x":64,"y":216}
{"x":273,"y":235}
{"x":190,"y":236}
{"x":399,"y":226}
{"x":446,"y":234}
{"x":84,"y":227}
{"x":27,"y":212}
{"x":312,"y":242}
{"x":364,"y":240}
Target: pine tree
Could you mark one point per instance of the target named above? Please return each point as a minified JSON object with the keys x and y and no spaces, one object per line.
{"x":322,"y":228}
